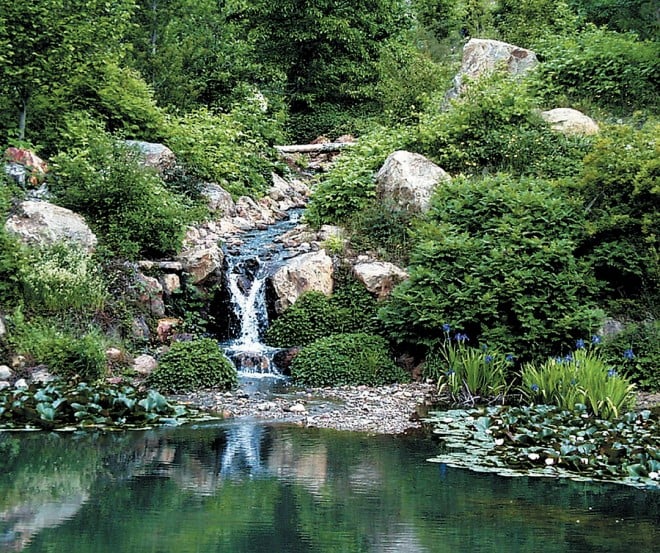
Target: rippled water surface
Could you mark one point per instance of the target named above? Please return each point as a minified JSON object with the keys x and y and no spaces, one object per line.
{"x":243,"y":487}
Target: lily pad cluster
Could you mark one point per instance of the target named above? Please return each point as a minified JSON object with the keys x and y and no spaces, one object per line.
{"x":544,"y":440}
{"x":61,"y":405}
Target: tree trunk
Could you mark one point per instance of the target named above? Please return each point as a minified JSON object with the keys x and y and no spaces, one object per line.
{"x":22,"y":118}
{"x":313,"y":148}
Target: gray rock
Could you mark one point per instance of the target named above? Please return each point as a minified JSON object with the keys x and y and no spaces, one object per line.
{"x":570,"y":121}
{"x":379,"y":277}
{"x":21,"y":383}
{"x":201,"y":261}
{"x":43,"y":223}
{"x":482,"y":56}
{"x":144,"y":364}
{"x":303,"y":273}
{"x":154,"y":155}
{"x":219,"y":200}
{"x":5,"y":372}
{"x":41,"y":376}
{"x":408,"y":180}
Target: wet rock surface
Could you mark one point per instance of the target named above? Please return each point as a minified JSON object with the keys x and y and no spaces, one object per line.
{"x":391,"y":409}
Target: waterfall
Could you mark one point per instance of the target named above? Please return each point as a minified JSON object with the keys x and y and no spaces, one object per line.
{"x":247,"y":272}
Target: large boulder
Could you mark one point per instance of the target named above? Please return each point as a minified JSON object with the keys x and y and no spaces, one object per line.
{"x":154,"y":155}
{"x":303,"y":273}
{"x":408,"y":180}
{"x":570,"y":121}
{"x":201,"y":261}
{"x":43,"y":223}
{"x":379,"y":277}
{"x":218,"y":200}
{"x":483,"y":56}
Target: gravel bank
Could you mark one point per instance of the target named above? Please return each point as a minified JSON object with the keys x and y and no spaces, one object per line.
{"x":392,"y":409}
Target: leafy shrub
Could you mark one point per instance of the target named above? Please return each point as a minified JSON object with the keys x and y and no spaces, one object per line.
{"x":349,"y":186}
{"x":60,"y":278}
{"x":329,"y":119}
{"x":579,"y":379}
{"x":620,"y":191}
{"x":494,"y":125}
{"x":232,"y":149}
{"x":10,"y":253}
{"x":189,"y":366}
{"x":635,"y":352}
{"x":346,"y":359}
{"x":615,"y":71}
{"x":496,"y":260}
{"x":67,"y":346}
{"x":469,"y":374}
{"x":350,"y":309}
{"x":127,"y":206}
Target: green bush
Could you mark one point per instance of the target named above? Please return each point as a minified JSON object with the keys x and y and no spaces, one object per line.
{"x":232,"y":149}
{"x":127,"y":206}
{"x":635,"y":352}
{"x":346,"y":359}
{"x":190,"y":366}
{"x":349,"y":186}
{"x":496,"y":259}
{"x":350,"y":309}
{"x":620,"y":191}
{"x":494,"y":125}
{"x":62,"y":278}
{"x":10,"y":254}
{"x":612,"y":70}
{"x":579,"y":379}
{"x":75,"y":353}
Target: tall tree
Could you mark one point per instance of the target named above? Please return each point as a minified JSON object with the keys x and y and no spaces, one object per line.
{"x":49,"y":42}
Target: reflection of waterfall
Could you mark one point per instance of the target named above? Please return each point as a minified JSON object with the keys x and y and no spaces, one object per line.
{"x":243,"y":450}
{"x":248,"y":269}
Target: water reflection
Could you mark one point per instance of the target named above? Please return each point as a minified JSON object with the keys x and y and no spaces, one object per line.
{"x":250,"y":488}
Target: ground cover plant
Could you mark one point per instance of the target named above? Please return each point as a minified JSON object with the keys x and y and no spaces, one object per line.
{"x":61,"y":405}
{"x":542,"y":440}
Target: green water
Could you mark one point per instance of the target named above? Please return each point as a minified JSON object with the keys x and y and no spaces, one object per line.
{"x":254,"y":488}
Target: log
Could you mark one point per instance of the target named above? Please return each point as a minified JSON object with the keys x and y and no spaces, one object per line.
{"x":313,"y":148}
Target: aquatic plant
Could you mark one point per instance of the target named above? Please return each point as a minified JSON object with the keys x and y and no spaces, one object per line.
{"x":544,"y":440}
{"x":65,"y":406}
{"x":581,"y":378}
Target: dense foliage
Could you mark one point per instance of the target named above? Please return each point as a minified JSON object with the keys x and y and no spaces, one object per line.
{"x":496,"y":261}
{"x":342,"y":359}
{"x":189,"y":366}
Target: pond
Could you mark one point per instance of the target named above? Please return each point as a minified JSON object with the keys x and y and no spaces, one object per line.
{"x":249,"y":487}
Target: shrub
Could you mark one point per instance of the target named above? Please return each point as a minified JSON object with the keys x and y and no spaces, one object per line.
{"x":635,"y":352}
{"x":494,"y":125}
{"x":314,"y":316}
{"x":620,"y":191}
{"x":615,"y":71}
{"x":76,"y":353}
{"x":232,"y":149}
{"x":579,"y":379}
{"x":469,"y":374}
{"x":496,"y":260}
{"x":10,"y":254}
{"x":189,"y":366}
{"x":128,"y":206}
{"x":346,"y":359}
{"x":62,"y":278}
{"x":349,"y":186}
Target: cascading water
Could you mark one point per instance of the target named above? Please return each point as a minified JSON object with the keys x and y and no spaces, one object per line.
{"x":248,"y":270}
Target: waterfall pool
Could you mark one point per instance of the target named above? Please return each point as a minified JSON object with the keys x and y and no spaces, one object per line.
{"x":248,"y":487}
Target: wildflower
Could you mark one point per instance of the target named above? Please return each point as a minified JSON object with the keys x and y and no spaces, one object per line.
{"x":461,"y":337}
{"x":568,"y":358}
{"x":451,"y":372}
{"x":611,"y":373}
{"x":595,"y":340}
{"x":579,"y":344}
{"x":559,"y":360}
{"x":510,"y":358}
{"x":446,"y":328}
{"x":534,"y":387}
{"x":484,"y":347}
{"x":573,"y":382}
{"x":488,"y":358}
{"x":629,"y":354}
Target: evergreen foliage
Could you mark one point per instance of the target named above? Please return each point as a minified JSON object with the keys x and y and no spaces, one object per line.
{"x":346,"y":359}
{"x":189,"y":366}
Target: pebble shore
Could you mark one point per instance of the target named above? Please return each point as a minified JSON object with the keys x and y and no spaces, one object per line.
{"x":392,"y":409}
